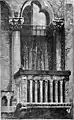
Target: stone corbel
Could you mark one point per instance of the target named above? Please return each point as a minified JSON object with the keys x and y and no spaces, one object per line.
{"x":16,"y":23}
{"x":58,"y":23}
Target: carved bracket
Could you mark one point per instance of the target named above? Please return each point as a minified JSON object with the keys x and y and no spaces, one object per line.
{"x":58,"y":23}
{"x":16,"y":23}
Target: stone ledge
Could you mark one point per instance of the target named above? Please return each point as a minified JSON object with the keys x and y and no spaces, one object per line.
{"x":39,"y":72}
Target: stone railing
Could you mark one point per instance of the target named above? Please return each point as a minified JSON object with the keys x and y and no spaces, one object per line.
{"x":43,"y":88}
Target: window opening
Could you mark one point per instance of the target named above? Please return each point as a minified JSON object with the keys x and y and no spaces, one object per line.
{"x":4,"y":101}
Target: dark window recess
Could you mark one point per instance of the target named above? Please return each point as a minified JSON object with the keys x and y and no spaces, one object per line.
{"x":28,"y":90}
{"x":4,"y":101}
{"x":38,"y":43}
{"x":5,"y":13}
{"x":11,"y":100}
{"x":36,"y":49}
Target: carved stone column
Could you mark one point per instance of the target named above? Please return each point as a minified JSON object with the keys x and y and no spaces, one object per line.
{"x":60,"y":43}
{"x":58,"y":52}
{"x":15,"y":26}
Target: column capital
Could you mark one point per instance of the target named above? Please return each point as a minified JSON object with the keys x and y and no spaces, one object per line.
{"x":16,"y":23}
{"x":58,"y":23}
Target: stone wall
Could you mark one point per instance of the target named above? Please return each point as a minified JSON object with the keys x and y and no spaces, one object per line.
{"x":69,"y":43}
{"x":5,"y":60}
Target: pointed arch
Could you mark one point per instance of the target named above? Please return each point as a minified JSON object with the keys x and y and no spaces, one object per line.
{"x":48,"y":10}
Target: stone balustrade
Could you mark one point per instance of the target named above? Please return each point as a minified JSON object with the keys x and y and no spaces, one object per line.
{"x":43,"y":87}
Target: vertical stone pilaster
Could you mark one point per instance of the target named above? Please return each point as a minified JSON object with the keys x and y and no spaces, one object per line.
{"x":17,"y":59}
{"x":59,"y":44}
{"x":58,"y":52}
{"x":12,"y":60}
{"x":15,"y":26}
{"x":54,"y":50}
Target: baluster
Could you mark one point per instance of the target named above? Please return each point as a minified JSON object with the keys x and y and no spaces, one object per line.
{"x":36,"y":91}
{"x":66,"y":91}
{"x":41,"y":91}
{"x":51,"y":90}
{"x":61,"y":91}
{"x":46,"y":91}
{"x":31,"y":96}
{"x":24,"y":89}
{"x":56,"y":91}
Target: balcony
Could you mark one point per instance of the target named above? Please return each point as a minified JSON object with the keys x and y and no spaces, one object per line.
{"x":42,"y":80}
{"x":43,"y":89}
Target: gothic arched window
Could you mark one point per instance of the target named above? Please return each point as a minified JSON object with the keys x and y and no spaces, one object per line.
{"x":34,"y":52}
